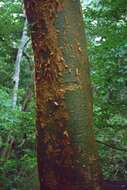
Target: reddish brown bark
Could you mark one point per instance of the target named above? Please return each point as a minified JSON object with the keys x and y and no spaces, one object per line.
{"x":59,"y":156}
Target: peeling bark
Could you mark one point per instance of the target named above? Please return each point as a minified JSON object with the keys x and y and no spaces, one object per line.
{"x":66,"y":148}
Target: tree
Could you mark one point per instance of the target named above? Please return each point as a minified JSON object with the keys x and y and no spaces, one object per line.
{"x":66,"y":148}
{"x":16,"y":77}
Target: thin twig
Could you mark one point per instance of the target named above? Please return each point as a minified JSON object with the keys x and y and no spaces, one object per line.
{"x":111,"y":146}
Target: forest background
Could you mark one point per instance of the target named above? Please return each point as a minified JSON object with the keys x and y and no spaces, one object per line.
{"x":106,"y":27}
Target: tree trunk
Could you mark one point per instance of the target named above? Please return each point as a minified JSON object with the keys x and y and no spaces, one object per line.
{"x":24,"y":39}
{"x":66,"y":148}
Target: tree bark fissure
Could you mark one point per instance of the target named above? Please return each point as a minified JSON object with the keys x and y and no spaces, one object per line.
{"x":66,"y":149}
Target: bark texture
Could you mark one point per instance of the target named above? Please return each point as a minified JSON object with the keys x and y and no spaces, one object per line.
{"x":66,"y":149}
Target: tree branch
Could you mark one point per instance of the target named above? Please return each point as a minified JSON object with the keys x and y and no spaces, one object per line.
{"x":111,"y":146}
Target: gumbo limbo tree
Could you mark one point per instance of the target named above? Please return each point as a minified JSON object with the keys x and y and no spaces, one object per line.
{"x":66,"y":149}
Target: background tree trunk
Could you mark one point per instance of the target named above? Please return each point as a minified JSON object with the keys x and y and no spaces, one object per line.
{"x":66,"y":148}
{"x":16,"y":76}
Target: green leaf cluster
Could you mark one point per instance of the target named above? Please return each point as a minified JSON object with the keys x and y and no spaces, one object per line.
{"x":106,"y":24}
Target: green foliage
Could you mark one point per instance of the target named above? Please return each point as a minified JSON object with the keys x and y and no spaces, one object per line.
{"x":107,"y":48}
{"x":18,"y":163}
{"x":10,"y":31}
{"x":17,"y":126}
